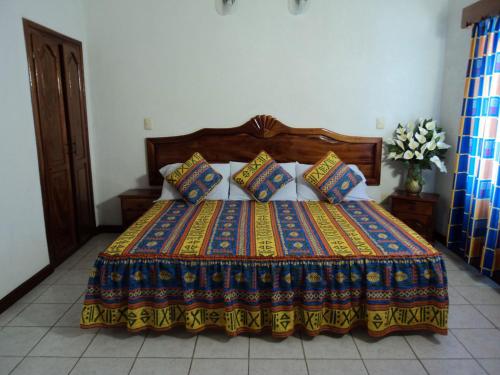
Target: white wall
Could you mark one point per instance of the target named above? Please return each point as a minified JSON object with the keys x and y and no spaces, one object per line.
{"x":23,"y":245}
{"x":339,"y":66}
{"x":456,"y":57}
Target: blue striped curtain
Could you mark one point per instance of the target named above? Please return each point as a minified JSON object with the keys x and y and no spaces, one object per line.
{"x":474,"y":217}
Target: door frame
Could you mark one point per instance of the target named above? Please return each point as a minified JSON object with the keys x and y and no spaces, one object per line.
{"x":29,"y":26}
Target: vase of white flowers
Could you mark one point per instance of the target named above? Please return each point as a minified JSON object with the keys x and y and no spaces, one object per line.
{"x":418,"y":145}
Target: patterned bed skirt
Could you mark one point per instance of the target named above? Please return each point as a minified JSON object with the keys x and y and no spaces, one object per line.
{"x":258,"y":295}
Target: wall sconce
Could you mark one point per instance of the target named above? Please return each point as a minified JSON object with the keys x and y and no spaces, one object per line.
{"x":225,"y":7}
{"x":297,"y":7}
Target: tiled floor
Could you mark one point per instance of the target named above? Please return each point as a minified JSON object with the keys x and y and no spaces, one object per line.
{"x":40,"y":335}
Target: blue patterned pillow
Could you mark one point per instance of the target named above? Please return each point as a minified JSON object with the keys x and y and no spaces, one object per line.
{"x":332,"y":177}
{"x":194,"y":179}
{"x":262,"y":177}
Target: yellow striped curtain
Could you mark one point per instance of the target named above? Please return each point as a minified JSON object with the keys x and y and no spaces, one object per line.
{"x":474,"y":216}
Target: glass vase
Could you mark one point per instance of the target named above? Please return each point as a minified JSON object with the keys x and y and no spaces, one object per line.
{"x":414,"y":181}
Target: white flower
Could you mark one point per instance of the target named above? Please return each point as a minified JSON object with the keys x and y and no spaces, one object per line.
{"x":398,"y":156}
{"x":422,"y":130}
{"x":439,"y":136}
{"x":435,"y":159}
{"x":408,"y":155}
{"x":441,"y":145}
{"x":431,"y":146}
{"x":420,"y":138}
{"x":419,"y":155}
{"x":411,"y":126}
{"x":431,"y":125}
{"x":390,"y":142}
{"x":402,"y":137}
{"x":413,"y":144}
{"x":399,"y":129}
{"x":400,"y":144}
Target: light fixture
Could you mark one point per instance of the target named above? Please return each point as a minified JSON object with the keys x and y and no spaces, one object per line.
{"x":225,"y":7}
{"x":297,"y":7}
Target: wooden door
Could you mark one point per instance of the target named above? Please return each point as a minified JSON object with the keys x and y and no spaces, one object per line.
{"x":53,"y":145}
{"x":77,"y":125}
{"x":58,"y":99}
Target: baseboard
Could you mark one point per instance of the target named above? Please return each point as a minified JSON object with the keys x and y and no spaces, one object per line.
{"x":25,"y":287}
{"x":109,"y":229}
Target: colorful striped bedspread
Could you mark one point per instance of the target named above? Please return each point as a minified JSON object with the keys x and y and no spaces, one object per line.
{"x":245,"y":266}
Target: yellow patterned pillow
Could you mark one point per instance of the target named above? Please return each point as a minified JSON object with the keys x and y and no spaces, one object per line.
{"x":332,"y":177}
{"x":262,"y":177}
{"x":194,"y":179}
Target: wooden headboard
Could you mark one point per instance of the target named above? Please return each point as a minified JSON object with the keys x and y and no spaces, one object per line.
{"x":283,"y":143}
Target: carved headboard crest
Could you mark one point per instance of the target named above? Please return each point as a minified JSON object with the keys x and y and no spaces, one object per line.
{"x":263,"y":132}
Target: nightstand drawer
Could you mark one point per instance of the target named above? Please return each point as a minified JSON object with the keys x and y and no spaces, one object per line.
{"x":415,"y":207}
{"x":419,"y":223}
{"x":140,"y":204}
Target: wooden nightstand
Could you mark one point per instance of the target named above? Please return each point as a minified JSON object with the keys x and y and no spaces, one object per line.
{"x":417,"y":211}
{"x":135,"y":202}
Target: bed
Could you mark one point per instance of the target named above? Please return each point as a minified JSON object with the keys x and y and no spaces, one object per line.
{"x":245,"y":266}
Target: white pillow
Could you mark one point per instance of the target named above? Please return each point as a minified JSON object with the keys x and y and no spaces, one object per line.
{"x":286,"y":193}
{"x":220,"y":192}
{"x":305,"y":192}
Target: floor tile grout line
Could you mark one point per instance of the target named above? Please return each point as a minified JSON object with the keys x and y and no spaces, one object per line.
{"x":359,"y":352}
{"x":192,"y":356}
{"x":248,"y":355}
{"x":84,"y":350}
{"x":480,"y":365}
{"x":450,"y":331}
{"x":488,"y":319}
{"x":416,"y":356}
{"x":304,"y":353}
{"x":137,"y":354}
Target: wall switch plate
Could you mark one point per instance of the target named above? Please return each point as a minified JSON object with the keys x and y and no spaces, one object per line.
{"x":148,"y":124}
{"x":379,"y":123}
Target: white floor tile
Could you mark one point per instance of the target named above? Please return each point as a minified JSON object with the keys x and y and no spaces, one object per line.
{"x":73,"y":277}
{"x":468,"y":278}
{"x":115,"y":343}
{"x":61,"y":294}
{"x":40,"y":315}
{"x":45,"y":366}
{"x":394,"y":367}
{"x":482,"y":343}
{"x":103,"y":366}
{"x":219,"y":345}
{"x":330,"y":347}
{"x":434,"y":346}
{"x":18,"y":341}
{"x":33,"y":294}
{"x":12,"y":312}
{"x":453,"y":366}
{"x":63,"y":342}
{"x":389,"y":347}
{"x":480,"y":295}
{"x":456,"y":298}
{"x":336,"y":367}
{"x":268,"y":347}
{"x":173,"y":344}
{"x":492,"y":366}
{"x":492,"y":312}
{"x":219,"y":366}
{"x":72,"y":317}
{"x":8,"y":363}
{"x":161,"y":366}
{"x":278,"y":367}
{"x":466,"y":316}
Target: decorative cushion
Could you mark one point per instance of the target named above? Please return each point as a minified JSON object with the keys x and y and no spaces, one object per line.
{"x":194,"y":179}
{"x":262,"y":177}
{"x":332,"y":177}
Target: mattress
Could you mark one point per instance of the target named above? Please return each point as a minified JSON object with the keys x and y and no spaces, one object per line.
{"x":245,"y":266}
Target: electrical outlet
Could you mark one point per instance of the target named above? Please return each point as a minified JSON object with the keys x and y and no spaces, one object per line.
{"x":148,"y":124}
{"x":379,"y":123}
